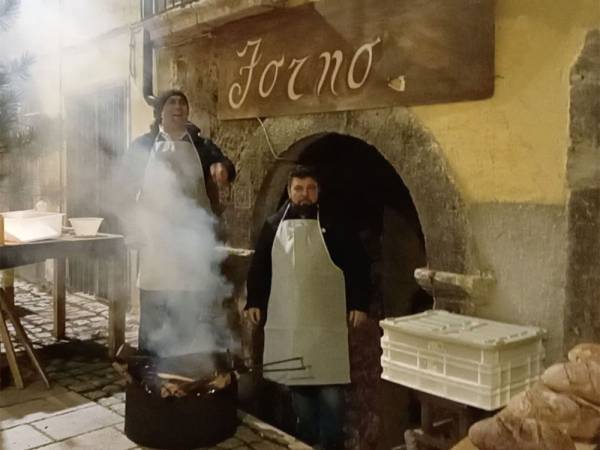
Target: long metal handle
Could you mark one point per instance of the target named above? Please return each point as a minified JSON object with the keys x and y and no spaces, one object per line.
{"x":287,"y":370}
{"x":273,"y":363}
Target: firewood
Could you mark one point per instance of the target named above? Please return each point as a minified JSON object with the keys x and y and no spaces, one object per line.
{"x":174,"y":376}
{"x":122,"y":370}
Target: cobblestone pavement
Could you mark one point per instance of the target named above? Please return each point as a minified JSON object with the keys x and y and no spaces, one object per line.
{"x":86,"y":405}
{"x":78,"y":362}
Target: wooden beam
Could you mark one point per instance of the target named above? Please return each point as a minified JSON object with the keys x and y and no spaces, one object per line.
{"x":10,"y":351}
{"x":24,"y":339}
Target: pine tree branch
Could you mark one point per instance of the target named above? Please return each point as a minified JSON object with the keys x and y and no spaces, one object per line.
{"x":20,"y":67}
{"x":13,"y":134}
{"x":8,"y":11}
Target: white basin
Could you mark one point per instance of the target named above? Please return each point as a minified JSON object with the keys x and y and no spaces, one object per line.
{"x":86,"y":226}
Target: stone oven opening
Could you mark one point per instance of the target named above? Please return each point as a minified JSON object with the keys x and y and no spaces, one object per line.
{"x":362,"y":189}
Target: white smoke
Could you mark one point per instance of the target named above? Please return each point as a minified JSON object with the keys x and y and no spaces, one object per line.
{"x":171,"y":228}
{"x":56,"y":33}
{"x":60,"y":35}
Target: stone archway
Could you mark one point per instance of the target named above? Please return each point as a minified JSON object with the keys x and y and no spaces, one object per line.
{"x":582,"y":308}
{"x":405,"y":144}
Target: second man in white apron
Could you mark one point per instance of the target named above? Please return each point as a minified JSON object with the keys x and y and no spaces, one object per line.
{"x":307,"y":282}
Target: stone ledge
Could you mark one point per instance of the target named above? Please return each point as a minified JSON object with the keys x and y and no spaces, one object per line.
{"x":198,"y":18}
{"x":469,"y":288}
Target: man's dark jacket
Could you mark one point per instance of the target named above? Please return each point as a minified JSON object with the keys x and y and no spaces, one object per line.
{"x":345,"y":248}
{"x":207,"y":150}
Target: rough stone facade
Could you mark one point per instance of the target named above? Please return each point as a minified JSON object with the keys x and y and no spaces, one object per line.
{"x":459,"y":237}
{"x":264,"y":150}
{"x":582,"y":321}
{"x":394,"y":132}
{"x":410,"y":149}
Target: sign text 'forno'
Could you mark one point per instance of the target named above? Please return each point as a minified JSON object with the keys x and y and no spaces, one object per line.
{"x":332,"y":57}
{"x":270,"y":74}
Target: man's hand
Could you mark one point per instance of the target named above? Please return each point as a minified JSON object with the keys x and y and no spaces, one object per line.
{"x":356,"y":318}
{"x":253,"y":314}
{"x":219,"y":174}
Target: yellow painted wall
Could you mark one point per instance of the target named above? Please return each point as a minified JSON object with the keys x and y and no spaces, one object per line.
{"x":513,"y":147}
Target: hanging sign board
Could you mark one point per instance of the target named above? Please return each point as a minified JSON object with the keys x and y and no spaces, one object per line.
{"x":336,"y":55}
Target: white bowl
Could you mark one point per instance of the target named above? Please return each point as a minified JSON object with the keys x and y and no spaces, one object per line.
{"x":86,"y":226}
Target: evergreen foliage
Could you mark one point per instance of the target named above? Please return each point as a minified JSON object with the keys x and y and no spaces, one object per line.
{"x":13,"y":134}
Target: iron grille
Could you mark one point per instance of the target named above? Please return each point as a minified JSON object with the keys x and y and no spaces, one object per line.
{"x":96,"y":134}
{"x":153,"y":7}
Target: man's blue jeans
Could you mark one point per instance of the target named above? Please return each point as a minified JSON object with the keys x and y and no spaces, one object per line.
{"x":320,"y":411}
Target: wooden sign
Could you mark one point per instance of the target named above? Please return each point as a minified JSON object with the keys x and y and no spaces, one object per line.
{"x":337,"y":55}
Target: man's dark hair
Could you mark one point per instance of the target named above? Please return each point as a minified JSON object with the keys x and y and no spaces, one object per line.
{"x":301,"y":171}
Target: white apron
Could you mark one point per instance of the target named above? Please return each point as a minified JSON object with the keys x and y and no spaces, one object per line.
{"x":307,"y":308}
{"x":175,"y":164}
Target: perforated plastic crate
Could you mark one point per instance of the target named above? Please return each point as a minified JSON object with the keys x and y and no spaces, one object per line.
{"x":491,"y":375}
{"x":467,"y":359}
{"x":478,"y":396}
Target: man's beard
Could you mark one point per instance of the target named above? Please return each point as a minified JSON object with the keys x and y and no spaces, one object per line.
{"x":304,"y":210}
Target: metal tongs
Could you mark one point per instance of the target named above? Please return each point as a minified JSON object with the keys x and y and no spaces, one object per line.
{"x":266,"y":366}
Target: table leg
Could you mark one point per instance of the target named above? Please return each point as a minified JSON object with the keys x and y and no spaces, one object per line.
{"x":22,"y":336}
{"x":117,"y":305}
{"x":10,"y":351}
{"x":8,"y":277}
{"x":8,"y":284}
{"x":426,"y":415}
{"x":59,"y":296}
{"x":465,"y":420}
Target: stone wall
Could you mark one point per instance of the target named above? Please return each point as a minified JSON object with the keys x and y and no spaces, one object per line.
{"x":522,"y":244}
{"x":582,"y":321}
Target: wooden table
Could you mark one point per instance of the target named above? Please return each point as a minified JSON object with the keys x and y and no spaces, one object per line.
{"x":107,"y":246}
{"x":443,"y":423}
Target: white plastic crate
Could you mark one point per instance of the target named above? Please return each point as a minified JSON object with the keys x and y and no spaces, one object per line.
{"x":478,"y":396}
{"x":492,"y":376}
{"x":31,"y":225}
{"x":452,"y":355}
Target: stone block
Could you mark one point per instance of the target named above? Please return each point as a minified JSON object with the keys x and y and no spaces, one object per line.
{"x":22,"y":438}
{"x":106,"y":438}
{"x":34,"y":410}
{"x":75,"y":423}
{"x":11,"y":395}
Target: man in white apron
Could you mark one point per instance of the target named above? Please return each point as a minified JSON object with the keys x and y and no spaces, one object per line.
{"x":180,"y":168}
{"x":306,"y":283}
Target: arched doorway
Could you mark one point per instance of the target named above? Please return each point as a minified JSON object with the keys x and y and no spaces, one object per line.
{"x":400,"y":139}
{"x":361,"y":189}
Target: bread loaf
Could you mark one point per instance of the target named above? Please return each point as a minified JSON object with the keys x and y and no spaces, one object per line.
{"x":578,"y":419}
{"x":510,"y":432}
{"x":585,"y":352}
{"x":580,"y":379}
{"x":491,"y":434}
